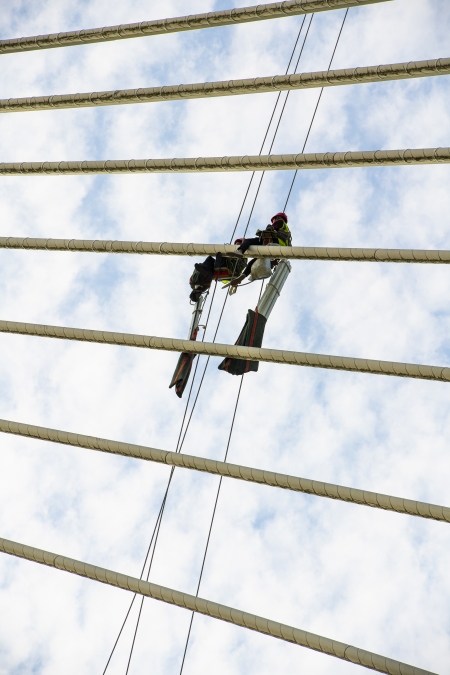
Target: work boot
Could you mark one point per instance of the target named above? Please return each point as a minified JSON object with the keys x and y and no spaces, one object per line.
{"x":219,"y":261}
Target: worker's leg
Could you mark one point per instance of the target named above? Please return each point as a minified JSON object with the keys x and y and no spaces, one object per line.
{"x":255,"y":241}
{"x":206,"y":266}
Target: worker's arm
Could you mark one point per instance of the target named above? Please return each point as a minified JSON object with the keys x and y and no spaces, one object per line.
{"x":285,"y":236}
{"x":244,"y":275}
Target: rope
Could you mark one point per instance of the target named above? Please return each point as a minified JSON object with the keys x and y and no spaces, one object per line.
{"x":248,"y":86}
{"x":268,"y":128}
{"x":157,"y":525}
{"x":315,"y":110}
{"x":115,"y":247}
{"x":285,"y":162}
{"x":260,"y":293}
{"x":231,"y":615}
{"x":278,"y":125}
{"x":212,"y":523}
{"x":318,"y":488}
{"x":180,"y":445}
{"x":225,"y":17}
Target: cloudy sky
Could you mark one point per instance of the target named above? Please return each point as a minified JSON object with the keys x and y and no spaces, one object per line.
{"x":373,"y":579}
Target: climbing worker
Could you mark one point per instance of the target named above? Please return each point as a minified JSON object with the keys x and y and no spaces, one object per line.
{"x":221,"y":268}
{"x":276,"y":233}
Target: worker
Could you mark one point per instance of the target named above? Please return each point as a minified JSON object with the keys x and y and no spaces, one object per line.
{"x":276,"y":233}
{"x":279,"y":233}
{"x":221,"y":268}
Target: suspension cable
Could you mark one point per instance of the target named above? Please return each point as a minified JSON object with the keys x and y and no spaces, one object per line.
{"x":180,"y":444}
{"x":155,"y":533}
{"x":278,"y":125}
{"x":315,"y":110}
{"x":262,"y":285}
{"x":260,"y":293}
{"x":212,"y":523}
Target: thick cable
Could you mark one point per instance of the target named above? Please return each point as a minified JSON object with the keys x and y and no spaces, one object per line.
{"x":293,"y":358}
{"x":226,"y":17}
{"x":255,"y":85}
{"x":212,"y":609}
{"x":342,"y":493}
{"x":302,"y":161}
{"x":325,"y":253}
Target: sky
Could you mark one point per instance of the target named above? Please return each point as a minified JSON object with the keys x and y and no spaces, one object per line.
{"x":365,"y":577}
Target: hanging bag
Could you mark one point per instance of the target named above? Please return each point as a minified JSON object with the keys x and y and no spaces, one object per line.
{"x":261,"y":269}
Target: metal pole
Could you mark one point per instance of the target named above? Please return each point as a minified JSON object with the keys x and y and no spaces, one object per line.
{"x":196,"y":316}
{"x":410,"y":370}
{"x":394,"y":255}
{"x":273,"y":288}
{"x":226,"y":17}
{"x":215,"y":610}
{"x":254,"y":85}
{"x":252,"y":333}
{"x":341,"y":493}
{"x":184,"y":365}
{"x":318,"y":160}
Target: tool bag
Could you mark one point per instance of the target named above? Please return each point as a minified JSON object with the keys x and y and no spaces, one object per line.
{"x":201,"y":279}
{"x":261,"y":269}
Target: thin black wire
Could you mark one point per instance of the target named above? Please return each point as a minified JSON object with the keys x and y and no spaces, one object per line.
{"x":212,"y":523}
{"x":161,"y":511}
{"x":246,"y":194}
{"x":157,"y":525}
{"x":278,"y":124}
{"x":315,"y":110}
{"x":267,"y":131}
{"x":180,"y":445}
{"x":134,"y":597}
{"x":223,"y":307}
{"x":262,"y":286}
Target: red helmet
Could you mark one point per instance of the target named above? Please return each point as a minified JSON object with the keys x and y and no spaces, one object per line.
{"x":279,"y":215}
{"x":238,"y":241}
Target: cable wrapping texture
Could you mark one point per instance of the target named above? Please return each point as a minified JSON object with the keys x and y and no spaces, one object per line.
{"x":226,"y":17}
{"x":250,"y":474}
{"x":193,"y":249}
{"x":318,"y":160}
{"x":412,"y":370}
{"x":255,"y":85}
{"x":215,"y":610}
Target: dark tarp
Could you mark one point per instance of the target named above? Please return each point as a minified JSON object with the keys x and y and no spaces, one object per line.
{"x":251,"y":336}
{"x":183,"y":370}
{"x":181,"y":375}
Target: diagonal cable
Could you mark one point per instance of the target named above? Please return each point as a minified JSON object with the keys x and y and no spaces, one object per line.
{"x":278,"y":125}
{"x":211,"y":525}
{"x":180,"y":444}
{"x":242,"y":379}
{"x":260,"y":293}
{"x":315,"y":110}
{"x":268,"y":126}
{"x":157,"y":525}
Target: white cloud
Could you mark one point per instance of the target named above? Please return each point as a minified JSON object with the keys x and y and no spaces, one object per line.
{"x":377,"y":580}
